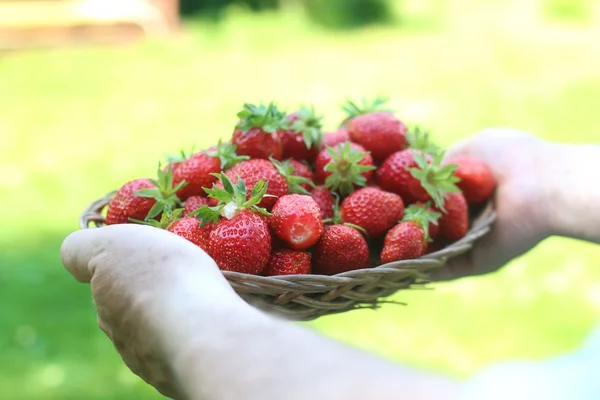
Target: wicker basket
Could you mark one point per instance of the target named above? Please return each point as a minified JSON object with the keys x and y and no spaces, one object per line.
{"x":306,"y":297}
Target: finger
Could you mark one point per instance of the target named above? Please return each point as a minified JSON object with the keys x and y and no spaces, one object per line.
{"x":78,"y":249}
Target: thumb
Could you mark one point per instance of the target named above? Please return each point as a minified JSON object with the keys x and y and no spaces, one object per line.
{"x":78,"y":249}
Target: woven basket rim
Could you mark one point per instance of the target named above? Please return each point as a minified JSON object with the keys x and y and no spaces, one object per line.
{"x":479,"y":227}
{"x":307,"y":297}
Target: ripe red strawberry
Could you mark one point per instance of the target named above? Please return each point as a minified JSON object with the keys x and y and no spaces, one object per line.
{"x":126,"y":204}
{"x":189,"y":228}
{"x":381,"y":133}
{"x":374,"y":210}
{"x":296,"y":218}
{"x":332,"y":139}
{"x":143,"y":199}
{"x":454,"y":223}
{"x":240,"y":240}
{"x":198,"y":170}
{"x":416,"y":177}
{"x":477,"y":182}
{"x":256,"y":135}
{"x":409,"y":238}
{"x":340,"y":249}
{"x":251,"y":172}
{"x":288,"y":262}
{"x":344,"y":168}
{"x":394,"y":176}
{"x":302,"y":141}
{"x":324,"y":200}
{"x":192,"y":204}
{"x":404,"y":241}
{"x":241,"y":244}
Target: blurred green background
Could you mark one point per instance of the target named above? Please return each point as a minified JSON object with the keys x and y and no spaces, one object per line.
{"x":78,"y":122}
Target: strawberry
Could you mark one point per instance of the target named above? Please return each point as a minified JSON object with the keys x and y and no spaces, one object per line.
{"x":198,"y":169}
{"x":240,"y":240}
{"x":298,"y":176}
{"x":344,"y":168}
{"x":408,"y":239}
{"x":296,"y":219}
{"x":324,"y":200}
{"x":256,"y":135}
{"x":288,"y":262}
{"x":303,"y":140}
{"x":332,"y":139}
{"x":381,"y":133}
{"x":404,"y":241}
{"x":126,"y":204}
{"x":416,"y":176}
{"x":143,"y":199}
{"x":192,"y":204}
{"x":374,"y":210}
{"x":189,"y":228}
{"x":241,"y":244}
{"x":341,"y":248}
{"x":254,"y":170}
{"x":477,"y":182}
{"x":454,"y":223}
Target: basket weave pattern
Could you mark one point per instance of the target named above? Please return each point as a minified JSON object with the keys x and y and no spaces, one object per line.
{"x":306,"y":297}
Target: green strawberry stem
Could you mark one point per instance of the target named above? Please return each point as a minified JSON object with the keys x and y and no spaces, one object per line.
{"x":310,"y":126}
{"x":418,"y":139}
{"x":268,"y":118}
{"x":435,"y":179}
{"x":163,"y":192}
{"x":232,"y":200}
{"x":295,"y":182}
{"x":166,"y":219}
{"x":346,"y":172}
{"x":226,"y":152}
{"x":182,"y":156}
{"x":422,"y":216}
{"x":352,"y":109}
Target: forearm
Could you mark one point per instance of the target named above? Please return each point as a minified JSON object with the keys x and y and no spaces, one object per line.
{"x":571,"y":190}
{"x":238,"y":352}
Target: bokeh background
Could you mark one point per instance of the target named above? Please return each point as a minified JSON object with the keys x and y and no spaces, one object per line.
{"x":78,"y":121}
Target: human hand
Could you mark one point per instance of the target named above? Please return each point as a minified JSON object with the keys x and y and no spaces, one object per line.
{"x":146,"y":283}
{"x":518,"y":161}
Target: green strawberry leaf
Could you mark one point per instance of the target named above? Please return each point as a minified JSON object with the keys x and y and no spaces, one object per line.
{"x":345,"y":171}
{"x":268,"y":118}
{"x":226,"y":152}
{"x":207,"y":214}
{"x":309,"y":125}
{"x":354,"y":109}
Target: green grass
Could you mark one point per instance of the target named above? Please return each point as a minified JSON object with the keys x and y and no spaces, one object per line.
{"x":77,"y":123}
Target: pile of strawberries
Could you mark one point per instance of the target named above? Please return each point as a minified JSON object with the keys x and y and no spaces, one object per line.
{"x":282,"y":197}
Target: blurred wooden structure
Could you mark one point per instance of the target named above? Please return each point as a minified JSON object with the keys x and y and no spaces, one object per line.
{"x":43,"y":23}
